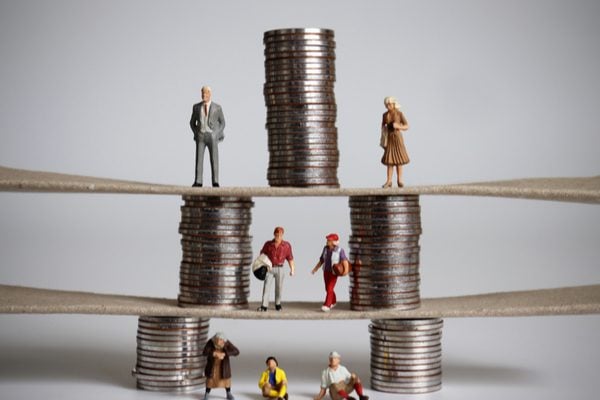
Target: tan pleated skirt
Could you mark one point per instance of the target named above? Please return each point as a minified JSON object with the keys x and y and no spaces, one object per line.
{"x":395,"y":152}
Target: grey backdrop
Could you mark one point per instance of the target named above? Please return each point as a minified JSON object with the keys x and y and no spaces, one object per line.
{"x":492,"y":90}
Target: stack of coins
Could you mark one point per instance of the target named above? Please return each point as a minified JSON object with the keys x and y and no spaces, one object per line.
{"x":301,"y":108}
{"x":217,"y":251}
{"x":406,"y":355}
{"x":169,"y":353}
{"x":384,"y":249}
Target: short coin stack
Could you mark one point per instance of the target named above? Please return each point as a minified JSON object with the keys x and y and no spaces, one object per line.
{"x":384,"y":250}
{"x":406,"y":355}
{"x":169,"y":353}
{"x":301,"y":108}
{"x":217,"y":251}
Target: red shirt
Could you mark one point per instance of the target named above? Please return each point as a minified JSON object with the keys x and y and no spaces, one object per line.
{"x":278,"y":254}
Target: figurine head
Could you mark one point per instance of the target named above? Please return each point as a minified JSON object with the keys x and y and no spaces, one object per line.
{"x":334,"y":359}
{"x":332,"y":240}
{"x":219,"y":339}
{"x":278,"y":234}
{"x":206,"y":93}
{"x":391,"y":103}
{"x":272,"y":363}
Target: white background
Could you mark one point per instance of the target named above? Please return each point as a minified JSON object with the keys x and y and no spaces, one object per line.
{"x":492,"y":90}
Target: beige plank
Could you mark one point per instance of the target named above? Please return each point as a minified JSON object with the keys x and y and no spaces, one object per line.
{"x":559,"y":301}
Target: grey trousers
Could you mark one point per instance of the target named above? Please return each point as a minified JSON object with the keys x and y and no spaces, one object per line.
{"x":207,"y":140}
{"x":276,"y":274}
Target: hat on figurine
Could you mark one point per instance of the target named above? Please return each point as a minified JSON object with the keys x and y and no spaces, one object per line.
{"x":261,"y":266}
{"x":334,"y":354}
{"x":332,"y":236}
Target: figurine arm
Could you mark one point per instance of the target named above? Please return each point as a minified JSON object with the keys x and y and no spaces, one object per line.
{"x":292,"y":267}
{"x":194,"y":120}
{"x":221,"y":119}
{"x":316,"y":268}
{"x":321,"y":394}
{"x":208,"y":350}
{"x":231,"y":350}
{"x":400,"y":122}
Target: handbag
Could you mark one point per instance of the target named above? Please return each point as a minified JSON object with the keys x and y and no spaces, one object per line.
{"x":384,"y":137}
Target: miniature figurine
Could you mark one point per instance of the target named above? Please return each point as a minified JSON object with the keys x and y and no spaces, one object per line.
{"x":273,"y":382}
{"x":218,"y":369}
{"x":207,"y":123}
{"x":332,"y":254}
{"x":278,"y":251}
{"x":394,"y":154}
{"x":339,"y":381}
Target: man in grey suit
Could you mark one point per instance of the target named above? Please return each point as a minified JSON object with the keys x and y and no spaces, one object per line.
{"x":207,"y":123}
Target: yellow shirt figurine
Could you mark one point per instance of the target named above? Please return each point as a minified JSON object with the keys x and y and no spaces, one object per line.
{"x":273,"y":381}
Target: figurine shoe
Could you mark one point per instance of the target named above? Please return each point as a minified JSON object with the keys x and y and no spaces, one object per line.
{"x":196,"y":184}
{"x":215,"y":184}
{"x":400,"y":184}
{"x":286,"y":397}
{"x":387,"y":185}
{"x":262,"y":309}
{"x":350,"y":398}
{"x":230,"y":396}
{"x":278,"y":307}
{"x":363,"y":397}
{"x":325,"y":308}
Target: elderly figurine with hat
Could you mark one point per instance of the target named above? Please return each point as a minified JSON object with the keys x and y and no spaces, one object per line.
{"x":339,"y":381}
{"x":273,"y":382}
{"x":335,"y":263}
{"x":276,"y":251}
{"x":218,"y":369}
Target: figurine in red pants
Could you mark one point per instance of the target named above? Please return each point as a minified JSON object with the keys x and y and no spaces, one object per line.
{"x":331,"y":255}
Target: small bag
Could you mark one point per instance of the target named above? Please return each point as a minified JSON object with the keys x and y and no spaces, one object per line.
{"x":384,"y":137}
{"x":261,"y":266}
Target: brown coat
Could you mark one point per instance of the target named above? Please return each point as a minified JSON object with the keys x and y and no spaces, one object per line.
{"x":229,"y":349}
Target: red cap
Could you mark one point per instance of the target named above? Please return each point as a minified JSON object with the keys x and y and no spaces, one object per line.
{"x":332,"y":236}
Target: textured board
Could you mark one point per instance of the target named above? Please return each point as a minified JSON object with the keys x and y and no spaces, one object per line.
{"x":579,"y":190}
{"x":560,"y":301}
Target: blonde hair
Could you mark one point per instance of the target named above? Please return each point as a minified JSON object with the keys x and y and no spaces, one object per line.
{"x":391,"y":99}
{"x":206,"y":88}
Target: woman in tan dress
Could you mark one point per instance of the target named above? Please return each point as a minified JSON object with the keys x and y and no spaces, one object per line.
{"x":395,"y":154}
{"x":218,"y":369}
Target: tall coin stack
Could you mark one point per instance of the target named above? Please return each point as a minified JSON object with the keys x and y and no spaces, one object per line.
{"x":169,"y":353}
{"x":217,"y":251}
{"x":384,"y":249}
{"x":301,"y":108}
{"x":406,"y":355}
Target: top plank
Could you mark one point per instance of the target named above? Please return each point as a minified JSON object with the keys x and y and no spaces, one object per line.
{"x":574,"y":189}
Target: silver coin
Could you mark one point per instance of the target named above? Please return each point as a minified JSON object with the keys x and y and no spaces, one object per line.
{"x":184,"y":373}
{"x":198,"y":359}
{"x":185,"y":302}
{"x":172,"y":339}
{"x":403,"y":364}
{"x":159,"y":320}
{"x":172,"y":332}
{"x":170,"y":326}
{"x":175,"y":381}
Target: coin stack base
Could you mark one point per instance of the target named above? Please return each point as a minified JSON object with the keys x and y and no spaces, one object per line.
{"x":301,"y":107}
{"x":169,"y":353}
{"x":384,"y":247}
{"x":217,"y":252}
{"x":406,"y":355}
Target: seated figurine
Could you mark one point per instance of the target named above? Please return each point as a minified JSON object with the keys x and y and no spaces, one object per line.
{"x":273,"y":382}
{"x":340,"y":382}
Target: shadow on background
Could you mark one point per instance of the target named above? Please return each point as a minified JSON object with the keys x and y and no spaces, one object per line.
{"x":35,"y":363}
{"x":473,"y":374}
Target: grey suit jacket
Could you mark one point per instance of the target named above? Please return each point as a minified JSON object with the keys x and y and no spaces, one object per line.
{"x":216,"y":120}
